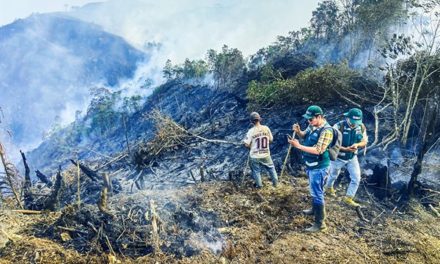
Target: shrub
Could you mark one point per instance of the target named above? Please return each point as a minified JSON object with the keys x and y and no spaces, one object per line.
{"x":324,"y":85}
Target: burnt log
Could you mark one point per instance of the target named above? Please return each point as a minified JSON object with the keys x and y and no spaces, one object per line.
{"x":43,"y":178}
{"x":87,"y":171}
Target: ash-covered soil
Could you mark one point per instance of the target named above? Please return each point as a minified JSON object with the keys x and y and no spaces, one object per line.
{"x":223,"y":222}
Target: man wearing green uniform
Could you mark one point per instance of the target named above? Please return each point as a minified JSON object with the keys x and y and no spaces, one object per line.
{"x":354,"y":136}
{"x":318,"y":137}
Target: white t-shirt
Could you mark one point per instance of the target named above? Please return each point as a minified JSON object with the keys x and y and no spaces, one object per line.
{"x":258,"y":137}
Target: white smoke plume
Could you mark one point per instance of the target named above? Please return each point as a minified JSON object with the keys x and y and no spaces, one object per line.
{"x":187,"y":28}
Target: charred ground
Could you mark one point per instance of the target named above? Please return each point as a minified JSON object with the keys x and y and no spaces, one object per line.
{"x":223,"y":221}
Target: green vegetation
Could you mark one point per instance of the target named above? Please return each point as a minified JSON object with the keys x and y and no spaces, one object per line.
{"x":227,"y":66}
{"x":188,"y":70}
{"x":326,"y":84}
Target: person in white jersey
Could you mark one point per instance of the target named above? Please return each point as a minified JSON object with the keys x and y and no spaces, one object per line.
{"x":257,"y":140}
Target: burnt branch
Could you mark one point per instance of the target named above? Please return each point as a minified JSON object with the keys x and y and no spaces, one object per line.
{"x":169,"y":136}
{"x":87,"y":171}
{"x":43,"y":178}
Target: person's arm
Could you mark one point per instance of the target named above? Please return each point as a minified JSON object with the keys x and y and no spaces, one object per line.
{"x":270,"y":135}
{"x":248,"y":139}
{"x":324,"y":140}
{"x":298,"y":131}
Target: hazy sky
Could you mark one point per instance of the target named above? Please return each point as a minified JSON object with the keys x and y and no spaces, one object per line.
{"x":13,"y":9}
{"x":184,"y":29}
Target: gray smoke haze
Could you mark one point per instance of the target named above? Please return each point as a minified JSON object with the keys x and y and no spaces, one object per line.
{"x":182,"y":29}
{"x":162,"y":29}
{"x":188,"y":28}
{"x":48,"y":63}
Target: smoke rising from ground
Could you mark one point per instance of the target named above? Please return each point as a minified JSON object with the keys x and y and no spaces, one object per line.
{"x":164,"y":30}
{"x":177,"y":30}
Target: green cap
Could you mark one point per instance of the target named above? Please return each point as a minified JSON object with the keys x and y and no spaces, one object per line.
{"x":355,"y":115}
{"x":312,"y":111}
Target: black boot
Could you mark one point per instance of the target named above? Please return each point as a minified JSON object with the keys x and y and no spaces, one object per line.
{"x":319,"y":225}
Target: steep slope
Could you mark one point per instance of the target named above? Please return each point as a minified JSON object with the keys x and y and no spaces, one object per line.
{"x":48,"y":64}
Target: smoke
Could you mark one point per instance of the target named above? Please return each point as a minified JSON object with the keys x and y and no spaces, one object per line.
{"x":49,"y":62}
{"x":188,"y":28}
{"x":178,"y":30}
{"x":167,"y":29}
{"x":28,"y":98}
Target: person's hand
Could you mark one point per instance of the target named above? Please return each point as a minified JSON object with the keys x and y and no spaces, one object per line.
{"x":353,"y":147}
{"x":294,"y":142}
{"x":296,"y":128}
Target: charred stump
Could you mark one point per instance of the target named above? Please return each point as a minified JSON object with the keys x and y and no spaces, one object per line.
{"x":102,"y":203}
{"x":202,"y":174}
{"x":381,"y":180}
{"x":27,"y":194}
{"x":53,"y":202}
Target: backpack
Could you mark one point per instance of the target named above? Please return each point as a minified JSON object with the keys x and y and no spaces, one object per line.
{"x":335,"y":145}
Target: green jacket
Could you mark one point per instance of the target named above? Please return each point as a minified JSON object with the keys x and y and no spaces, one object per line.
{"x":349,"y":137}
{"x":315,"y":161}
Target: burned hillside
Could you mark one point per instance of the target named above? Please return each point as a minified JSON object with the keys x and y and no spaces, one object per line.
{"x":164,"y":176}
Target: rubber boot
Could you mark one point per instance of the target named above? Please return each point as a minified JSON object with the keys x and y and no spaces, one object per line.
{"x":309,"y":211}
{"x":319,"y":225}
{"x":321,"y":217}
{"x":349,"y":201}
{"x":330,"y":191}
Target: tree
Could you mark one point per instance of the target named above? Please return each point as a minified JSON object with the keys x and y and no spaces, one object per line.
{"x":428,"y":136}
{"x":227,"y":66}
{"x":374,"y":18}
{"x":411,"y":89}
{"x":102,"y":110}
{"x":324,"y":22}
{"x":412,"y":71}
{"x":168,"y":70}
{"x":194,"y":68}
